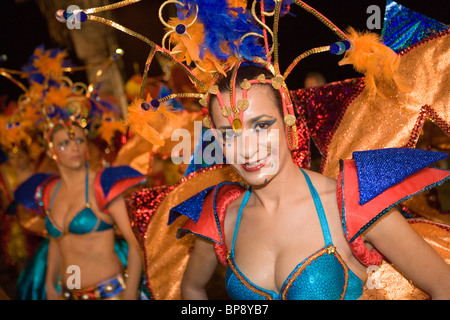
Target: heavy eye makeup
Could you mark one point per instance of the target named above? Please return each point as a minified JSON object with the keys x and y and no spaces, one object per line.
{"x":264,"y":124}
{"x":63,"y":144}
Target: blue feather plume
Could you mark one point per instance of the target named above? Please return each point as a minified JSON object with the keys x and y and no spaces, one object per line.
{"x":221,"y":26}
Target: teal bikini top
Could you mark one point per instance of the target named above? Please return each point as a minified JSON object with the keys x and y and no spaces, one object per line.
{"x":84,"y":221}
{"x":322,"y":276}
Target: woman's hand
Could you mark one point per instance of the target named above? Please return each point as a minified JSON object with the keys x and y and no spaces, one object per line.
{"x":53,"y":265}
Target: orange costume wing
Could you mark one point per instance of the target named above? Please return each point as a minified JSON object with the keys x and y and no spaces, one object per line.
{"x":156,"y":222}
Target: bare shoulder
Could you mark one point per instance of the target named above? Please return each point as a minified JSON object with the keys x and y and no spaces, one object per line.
{"x":326,"y":188}
{"x":323,"y":184}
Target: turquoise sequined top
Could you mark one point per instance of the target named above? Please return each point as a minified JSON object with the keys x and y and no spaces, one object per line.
{"x":84,"y":221}
{"x":322,"y":276}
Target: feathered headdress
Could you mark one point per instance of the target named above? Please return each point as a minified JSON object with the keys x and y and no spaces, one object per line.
{"x":211,"y":38}
{"x":15,"y":133}
{"x":52,"y":98}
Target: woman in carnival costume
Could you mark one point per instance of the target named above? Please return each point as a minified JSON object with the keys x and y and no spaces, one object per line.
{"x":283,"y":232}
{"x":83,"y":208}
{"x":345,"y":116}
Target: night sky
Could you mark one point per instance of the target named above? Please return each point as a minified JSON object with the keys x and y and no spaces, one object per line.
{"x":23,"y":28}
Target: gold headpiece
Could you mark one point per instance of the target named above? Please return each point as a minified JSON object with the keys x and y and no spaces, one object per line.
{"x":211,"y":38}
{"x":53,"y":98}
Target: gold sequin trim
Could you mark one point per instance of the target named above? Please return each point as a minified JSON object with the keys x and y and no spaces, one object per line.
{"x":244,"y":281}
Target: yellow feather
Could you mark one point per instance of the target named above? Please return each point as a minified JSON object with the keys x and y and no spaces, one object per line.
{"x":153,"y":125}
{"x":108,"y":129}
{"x":47,"y":65}
{"x":188,"y":44}
{"x":375,"y":60}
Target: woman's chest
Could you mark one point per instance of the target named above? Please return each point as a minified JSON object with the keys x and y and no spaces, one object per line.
{"x":268,"y":251}
{"x":74,"y":205}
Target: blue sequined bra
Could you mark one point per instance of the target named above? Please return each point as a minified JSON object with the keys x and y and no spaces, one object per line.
{"x":84,"y":221}
{"x":321,"y":276}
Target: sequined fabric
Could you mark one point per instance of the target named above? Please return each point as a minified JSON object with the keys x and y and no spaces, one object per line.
{"x":331,"y":280}
{"x":391,"y":284}
{"x":25,"y":193}
{"x":197,"y":160}
{"x":321,"y":108}
{"x":109,"y":289}
{"x":396,"y":121}
{"x":190,"y":208}
{"x":403,"y":27}
{"x":419,"y":206}
{"x":112,"y":175}
{"x":322,"y":276}
{"x":381,"y":169}
{"x":165,"y":257}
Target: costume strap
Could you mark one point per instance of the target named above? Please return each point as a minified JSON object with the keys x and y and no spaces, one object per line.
{"x":320,"y":211}
{"x":86,"y":185}
{"x":54,"y":194}
{"x":238,"y":220}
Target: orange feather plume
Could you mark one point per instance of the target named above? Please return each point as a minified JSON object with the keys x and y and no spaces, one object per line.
{"x":375,"y":60}
{"x":13,"y":133}
{"x":155,"y":125}
{"x":47,"y":65}
{"x":237,"y":4}
{"x":188,"y":44}
{"x":109,"y":126}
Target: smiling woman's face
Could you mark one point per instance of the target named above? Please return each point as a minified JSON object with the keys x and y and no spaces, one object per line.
{"x":258,"y":150}
{"x":71,"y":152}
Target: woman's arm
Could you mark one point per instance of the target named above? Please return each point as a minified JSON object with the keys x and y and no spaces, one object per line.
{"x":134,"y":263}
{"x":199,"y":270}
{"x":408,"y":251}
{"x":53,"y":269}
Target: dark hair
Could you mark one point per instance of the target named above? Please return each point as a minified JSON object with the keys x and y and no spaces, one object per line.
{"x":60,"y":126}
{"x":248,"y":72}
